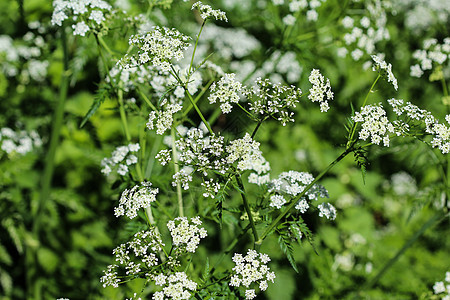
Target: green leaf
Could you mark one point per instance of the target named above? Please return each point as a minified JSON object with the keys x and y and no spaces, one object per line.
{"x":100,"y":97}
{"x":286,"y":245}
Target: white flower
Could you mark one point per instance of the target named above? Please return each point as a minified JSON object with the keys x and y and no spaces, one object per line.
{"x":185,"y":235}
{"x":226,"y":92}
{"x":139,"y":196}
{"x":289,"y":20}
{"x":159,"y":47}
{"x":321,"y":90}
{"x":381,"y":65}
{"x":250,"y":269}
{"x":206,"y":12}
{"x":80,"y":28}
{"x":327,"y":210}
{"x":375,"y":124}
{"x":277,"y":201}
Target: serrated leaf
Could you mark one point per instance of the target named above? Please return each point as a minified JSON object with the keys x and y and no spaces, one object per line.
{"x":100,"y":97}
{"x":286,"y":246}
{"x":206,"y":271}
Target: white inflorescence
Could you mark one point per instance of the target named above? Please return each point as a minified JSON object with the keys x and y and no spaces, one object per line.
{"x":321,"y":90}
{"x":386,"y":68}
{"x":206,"y":12}
{"x":139,"y":196}
{"x":226,"y":91}
{"x":250,"y":269}
{"x":433,"y":52}
{"x":440,"y":132}
{"x":157,"y":47}
{"x":375,"y":124}
{"x":268,"y":99}
{"x":133,"y":256}
{"x":442,"y":288}
{"x":185,"y":235}
{"x":175,"y":286}
{"x":78,"y":10}
{"x":327,"y":210}
{"x":18,"y":142}
{"x":122,"y":158}
{"x":293,"y":183}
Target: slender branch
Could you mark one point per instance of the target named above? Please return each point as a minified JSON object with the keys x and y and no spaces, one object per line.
{"x":247,"y":207}
{"x":364,"y":103}
{"x":195,"y":47}
{"x":435,"y":219}
{"x":177,"y":169}
{"x":295,"y":200}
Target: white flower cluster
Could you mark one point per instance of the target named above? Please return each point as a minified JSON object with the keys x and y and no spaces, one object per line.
{"x":295,"y":6}
{"x":164,"y":118}
{"x":139,"y":196}
{"x":184,"y":235}
{"x":144,"y":245}
{"x":327,"y":210}
{"x":246,"y":152}
{"x":366,"y":31}
{"x":439,"y":132}
{"x":294,"y":183}
{"x":158,"y":47}
{"x":122,"y":157}
{"x":228,"y":43}
{"x":206,"y":12}
{"x":375,"y":124}
{"x":175,"y":286}
{"x":81,"y":11}
{"x":268,"y":99}
{"x":226,"y":91}
{"x":384,"y":69}
{"x":20,"y":142}
{"x":321,"y":90}
{"x":442,"y":288}
{"x":22,"y":58}
{"x":249,"y":269}
{"x":432,"y":52}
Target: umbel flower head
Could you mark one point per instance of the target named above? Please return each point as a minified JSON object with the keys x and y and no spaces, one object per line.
{"x":157,"y":47}
{"x":251,"y":269}
{"x":139,"y":196}
{"x":321,"y":90}
{"x":92,"y":11}
{"x":185,"y":235}
{"x":207,"y":12}
{"x":385,"y":69}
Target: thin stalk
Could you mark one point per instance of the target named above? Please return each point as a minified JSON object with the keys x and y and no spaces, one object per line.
{"x":147,"y":100}
{"x":123,"y":116}
{"x":177,"y":169}
{"x":54,"y":138}
{"x":294,"y":202}
{"x":364,"y":103}
{"x":198,"y":111}
{"x":435,"y":219}
{"x":202,"y":92}
{"x":47,"y":175}
{"x":257,"y":127}
{"x":247,"y":207}
{"x":195,"y":47}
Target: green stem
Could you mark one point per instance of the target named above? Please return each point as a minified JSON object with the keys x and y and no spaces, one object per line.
{"x":195,"y":47}
{"x":295,"y":200}
{"x":123,"y":116}
{"x":198,"y":111}
{"x":435,"y":219}
{"x":364,"y":103}
{"x":257,"y":127}
{"x":146,"y":100}
{"x":47,"y":175}
{"x":177,"y":169}
{"x":247,"y":208}
{"x":202,"y":92}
